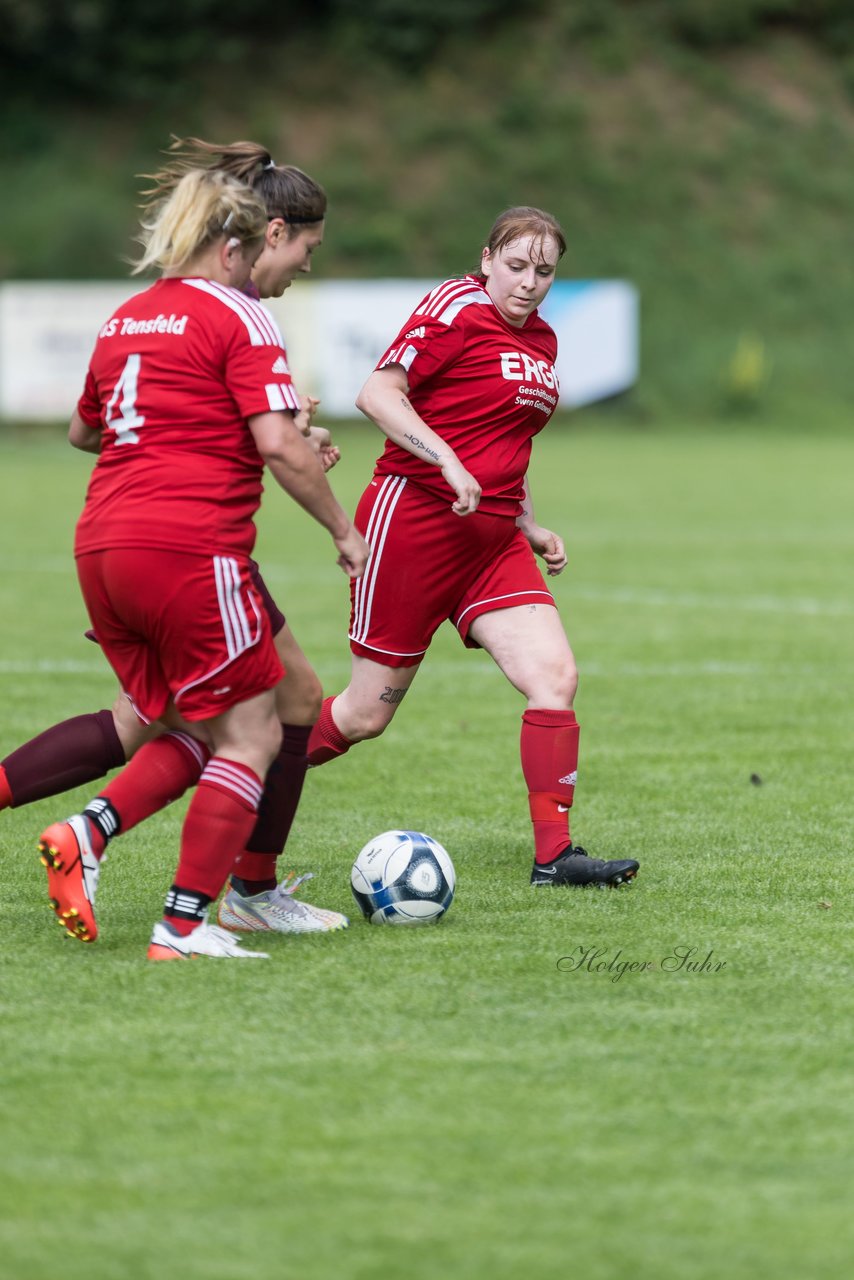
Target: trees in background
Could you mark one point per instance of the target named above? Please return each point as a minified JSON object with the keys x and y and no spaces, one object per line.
{"x":114,"y":50}
{"x":123,"y":50}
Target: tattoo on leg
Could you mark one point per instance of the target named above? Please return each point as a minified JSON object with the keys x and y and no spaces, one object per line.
{"x":392,"y":695}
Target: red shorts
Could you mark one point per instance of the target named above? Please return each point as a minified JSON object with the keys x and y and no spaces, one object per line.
{"x":189,"y":628}
{"x":428,"y":565}
{"x":277,"y":618}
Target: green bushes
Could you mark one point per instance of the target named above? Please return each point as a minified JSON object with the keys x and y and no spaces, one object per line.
{"x":119,"y":50}
{"x":129,"y":50}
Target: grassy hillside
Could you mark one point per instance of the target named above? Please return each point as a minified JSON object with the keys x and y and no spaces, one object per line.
{"x":721,"y":183}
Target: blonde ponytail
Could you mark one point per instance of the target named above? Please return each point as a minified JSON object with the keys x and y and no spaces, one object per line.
{"x":203,"y":205}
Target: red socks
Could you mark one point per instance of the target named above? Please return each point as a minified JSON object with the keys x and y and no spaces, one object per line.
{"x":5,"y":793}
{"x":549,"y":749}
{"x":256,"y":865}
{"x":219,"y":821}
{"x":160,"y":772}
{"x":326,"y":740}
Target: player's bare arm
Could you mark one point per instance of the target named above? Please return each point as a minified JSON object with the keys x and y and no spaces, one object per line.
{"x":82,"y":436}
{"x":297,"y":469}
{"x":544,"y":541}
{"x":416,"y":441}
{"x":304,"y":419}
{"x":321,"y":442}
{"x":385,"y":400}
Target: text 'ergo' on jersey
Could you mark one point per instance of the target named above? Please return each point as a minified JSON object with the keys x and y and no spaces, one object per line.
{"x":484,"y":385}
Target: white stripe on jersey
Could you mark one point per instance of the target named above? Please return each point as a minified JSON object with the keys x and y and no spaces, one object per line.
{"x":390,"y":490}
{"x":444,"y":304}
{"x":234,"y":779}
{"x":280,"y":396}
{"x":234,"y":620}
{"x":260,"y":325}
{"x":400,"y":355}
{"x":447,"y":300}
{"x":442,"y":294}
{"x":452,"y":310}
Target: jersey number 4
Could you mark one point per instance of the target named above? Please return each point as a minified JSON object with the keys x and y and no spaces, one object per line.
{"x":121,"y":412}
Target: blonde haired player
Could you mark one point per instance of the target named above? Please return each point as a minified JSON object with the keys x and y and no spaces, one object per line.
{"x":86,"y":747}
{"x":189,"y":398}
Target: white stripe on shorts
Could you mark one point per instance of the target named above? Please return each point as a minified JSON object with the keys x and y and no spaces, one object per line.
{"x":494,"y":600}
{"x":390,"y":490}
{"x":237,"y":631}
{"x":235,"y":623}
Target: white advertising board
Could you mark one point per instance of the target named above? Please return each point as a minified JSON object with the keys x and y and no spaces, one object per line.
{"x":47,"y":332}
{"x":334,"y":331}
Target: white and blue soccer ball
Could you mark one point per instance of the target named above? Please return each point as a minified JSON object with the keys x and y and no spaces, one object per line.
{"x":403,"y":877}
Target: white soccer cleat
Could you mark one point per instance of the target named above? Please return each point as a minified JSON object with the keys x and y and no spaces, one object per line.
{"x":277,"y":910}
{"x":205,"y":940}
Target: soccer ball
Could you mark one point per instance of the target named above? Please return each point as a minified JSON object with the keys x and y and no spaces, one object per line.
{"x":403,"y":877}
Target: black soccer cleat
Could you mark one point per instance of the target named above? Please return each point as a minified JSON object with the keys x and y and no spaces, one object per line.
{"x":574,"y":867}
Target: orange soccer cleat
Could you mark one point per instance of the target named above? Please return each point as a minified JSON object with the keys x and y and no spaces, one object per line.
{"x":66,"y":851}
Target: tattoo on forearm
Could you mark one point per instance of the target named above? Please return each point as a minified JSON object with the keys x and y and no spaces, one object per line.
{"x":419,"y":444}
{"x":392,"y":695}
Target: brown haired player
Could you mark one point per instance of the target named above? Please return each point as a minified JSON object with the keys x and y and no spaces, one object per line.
{"x":460,"y":394}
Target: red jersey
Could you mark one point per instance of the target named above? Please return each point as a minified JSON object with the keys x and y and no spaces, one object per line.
{"x":482,"y":384}
{"x":175,"y":374}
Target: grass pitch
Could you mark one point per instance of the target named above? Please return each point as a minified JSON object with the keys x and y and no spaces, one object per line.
{"x":542,"y":1084}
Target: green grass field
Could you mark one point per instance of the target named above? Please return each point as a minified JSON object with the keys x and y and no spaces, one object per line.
{"x":465,"y":1101}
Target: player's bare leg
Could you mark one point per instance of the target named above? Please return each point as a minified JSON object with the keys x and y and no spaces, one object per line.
{"x":299,"y":695}
{"x":132,"y":731}
{"x":529,"y":645}
{"x":367,"y":706}
{"x":363,"y":710}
